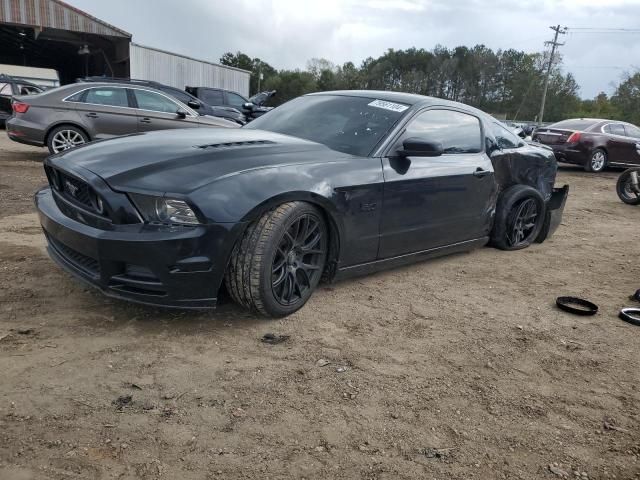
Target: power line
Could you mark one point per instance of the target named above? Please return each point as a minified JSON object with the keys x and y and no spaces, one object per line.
{"x":554,"y":44}
{"x":607,"y":29}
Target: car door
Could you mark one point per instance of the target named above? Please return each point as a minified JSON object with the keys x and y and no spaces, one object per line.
{"x":633,"y":132}
{"x":5,"y":100}
{"x":431,"y":202}
{"x":105,"y":111}
{"x":617,"y":142}
{"x":157,"y":111}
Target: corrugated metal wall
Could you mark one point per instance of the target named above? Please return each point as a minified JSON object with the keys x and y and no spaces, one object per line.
{"x":179,"y":71}
{"x":55,"y":14}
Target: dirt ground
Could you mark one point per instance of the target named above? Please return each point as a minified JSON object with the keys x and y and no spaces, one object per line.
{"x":457,"y":368}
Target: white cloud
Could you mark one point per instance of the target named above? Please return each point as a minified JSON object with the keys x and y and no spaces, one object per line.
{"x":287,"y":33}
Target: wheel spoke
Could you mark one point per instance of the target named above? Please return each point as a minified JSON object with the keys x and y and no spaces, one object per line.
{"x":280,"y":278}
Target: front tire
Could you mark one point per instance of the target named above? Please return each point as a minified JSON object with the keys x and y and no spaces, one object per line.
{"x":624,"y":188}
{"x":65,"y":137}
{"x":597,"y":161}
{"x":520,"y":215}
{"x":277,"y":264}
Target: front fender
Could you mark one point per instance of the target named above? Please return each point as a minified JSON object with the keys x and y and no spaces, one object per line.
{"x":342,"y":189}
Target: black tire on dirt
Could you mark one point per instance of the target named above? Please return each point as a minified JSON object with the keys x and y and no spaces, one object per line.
{"x":65,"y":137}
{"x":277,"y":264}
{"x":520,"y":216}
{"x":597,"y":161}
{"x":625,"y":190}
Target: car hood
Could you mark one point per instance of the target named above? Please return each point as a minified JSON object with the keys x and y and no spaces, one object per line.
{"x":181,"y":161}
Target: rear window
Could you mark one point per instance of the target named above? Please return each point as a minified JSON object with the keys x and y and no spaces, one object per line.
{"x":576,"y":124}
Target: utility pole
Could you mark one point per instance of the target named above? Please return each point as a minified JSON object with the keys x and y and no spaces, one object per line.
{"x":554,"y":44}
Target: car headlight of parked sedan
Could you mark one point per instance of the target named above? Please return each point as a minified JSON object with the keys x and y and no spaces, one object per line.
{"x":164,"y":210}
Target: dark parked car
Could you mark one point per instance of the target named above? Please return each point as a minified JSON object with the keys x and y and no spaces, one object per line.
{"x":69,"y":116}
{"x":198,"y":105}
{"x":325,"y":186}
{"x":10,"y":87}
{"x":253,"y":107}
{"x":592,"y":143}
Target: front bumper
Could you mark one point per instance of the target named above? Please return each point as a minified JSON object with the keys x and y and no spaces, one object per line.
{"x":171,"y":266}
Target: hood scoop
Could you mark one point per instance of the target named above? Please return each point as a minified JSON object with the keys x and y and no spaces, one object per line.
{"x":247,"y":143}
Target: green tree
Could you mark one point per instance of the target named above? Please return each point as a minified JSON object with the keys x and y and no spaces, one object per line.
{"x":626,"y":99}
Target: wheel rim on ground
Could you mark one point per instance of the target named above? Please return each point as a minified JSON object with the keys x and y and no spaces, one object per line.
{"x":523,"y":222}
{"x":597,"y":160}
{"x":66,"y":139}
{"x":298,"y":260}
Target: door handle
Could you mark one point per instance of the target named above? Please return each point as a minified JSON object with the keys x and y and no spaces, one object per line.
{"x":479,"y":173}
{"x":92,"y":115}
{"x":145,"y":120}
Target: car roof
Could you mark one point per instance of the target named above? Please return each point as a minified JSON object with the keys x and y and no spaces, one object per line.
{"x":401,"y":97}
{"x":9,"y":79}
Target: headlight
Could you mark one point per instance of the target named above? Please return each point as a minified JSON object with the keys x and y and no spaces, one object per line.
{"x":164,"y":210}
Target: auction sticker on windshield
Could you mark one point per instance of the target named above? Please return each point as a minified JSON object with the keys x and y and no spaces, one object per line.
{"x":394,"y":107}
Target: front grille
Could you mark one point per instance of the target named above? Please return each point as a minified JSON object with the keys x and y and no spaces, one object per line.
{"x":83,"y":262}
{"x":76,"y":190}
{"x":73,"y":189}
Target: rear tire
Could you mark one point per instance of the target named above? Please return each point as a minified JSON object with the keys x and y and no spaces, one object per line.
{"x":277,"y":264}
{"x":624,"y":188}
{"x":520,"y":215}
{"x":597,"y":161}
{"x":65,"y":137}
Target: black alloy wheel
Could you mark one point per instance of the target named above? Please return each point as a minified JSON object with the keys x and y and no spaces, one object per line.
{"x":299,"y":260}
{"x":279,"y":261}
{"x":520,"y":216}
{"x":522,"y":223}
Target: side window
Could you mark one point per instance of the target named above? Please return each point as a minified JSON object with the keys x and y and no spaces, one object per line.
{"x":458,"y":132}
{"x":632,"y":131}
{"x":28,"y":89}
{"x":112,"y":97}
{"x":181,"y":96}
{"x":607,"y":128}
{"x":5,"y":89}
{"x":617,"y":129}
{"x":212,"y":97}
{"x":78,"y":97}
{"x":504,"y":137}
{"x":155,"y":102}
{"x":235,"y":100}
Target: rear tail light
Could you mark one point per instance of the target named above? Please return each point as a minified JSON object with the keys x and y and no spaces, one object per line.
{"x":20,"y":107}
{"x":574,"y":137}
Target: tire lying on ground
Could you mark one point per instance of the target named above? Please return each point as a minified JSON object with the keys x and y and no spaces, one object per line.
{"x":278,"y":262}
{"x":520,"y":215}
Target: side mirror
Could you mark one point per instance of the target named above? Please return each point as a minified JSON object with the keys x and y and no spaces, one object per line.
{"x":417,"y":147}
{"x":193,"y":104}
{"x":181,"y":114}
{"x":248,"y":106}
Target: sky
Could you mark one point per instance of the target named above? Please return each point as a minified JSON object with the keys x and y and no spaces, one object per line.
{"x":287,"y":33}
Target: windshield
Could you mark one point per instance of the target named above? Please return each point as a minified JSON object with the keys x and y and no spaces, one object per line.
{"x":351,"y":125}
{"x":578,"y":124}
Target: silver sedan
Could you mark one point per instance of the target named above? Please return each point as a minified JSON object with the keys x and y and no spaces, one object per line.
{"x":71,"y":115}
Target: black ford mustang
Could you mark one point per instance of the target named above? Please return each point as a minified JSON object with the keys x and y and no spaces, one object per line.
{"x":327,"y":185}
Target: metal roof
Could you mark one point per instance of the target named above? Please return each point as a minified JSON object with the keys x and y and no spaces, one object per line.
{"x":55,"y":14}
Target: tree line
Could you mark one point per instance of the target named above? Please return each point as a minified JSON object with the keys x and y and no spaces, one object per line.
{"x":502,"y":82}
